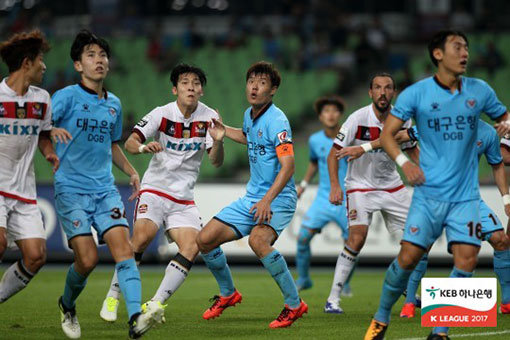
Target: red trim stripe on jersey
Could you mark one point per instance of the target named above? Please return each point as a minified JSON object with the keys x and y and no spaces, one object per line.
{"x":370,"y":189}
{"x":368,"y":133}
{"x":18,"y":198}
{"x":29,"y":110}
{"x":167,"y":196}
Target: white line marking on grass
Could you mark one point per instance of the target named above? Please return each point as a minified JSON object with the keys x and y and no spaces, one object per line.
{"x":466,"y":335}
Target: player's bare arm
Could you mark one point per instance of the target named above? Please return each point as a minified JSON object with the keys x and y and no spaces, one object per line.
{"x":135,"y":146}
{"x":335,"y":195}
{"x":121,"y":162}
{"x":263,"y":207}
{"x":46,"y":148}
{"x":309,"y":175}
{"x":413,"y":172}
{"x":60,"y":135}
{"x":505,"y":152}
{"x":498,"y":171}
{"x":216,"y":152}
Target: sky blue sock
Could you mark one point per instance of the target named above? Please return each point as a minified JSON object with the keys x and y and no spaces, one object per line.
{"x":395,"y":282}
{"x":75,"y":282}
{"x":454,"y":273}
{"x":502,"y":270}
{"x":130,"y":285}
{"x":303,"y":253}
{"x":217,"y":264}
{"x":415,"y":279}
{"x":277,"y":267}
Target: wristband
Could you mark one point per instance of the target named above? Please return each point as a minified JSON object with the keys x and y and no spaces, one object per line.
{"x":304,"y":184}
{"x":506,"y":199}
{"x":141,"y":148}
{"x":401,"y":159}
{"x":367,"y":147}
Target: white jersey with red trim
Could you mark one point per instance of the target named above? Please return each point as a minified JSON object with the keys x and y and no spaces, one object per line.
{"x":505,"y":140}
{"x":22,"y":119}
{"x":174,"y":171}
{"x":374,"y":169}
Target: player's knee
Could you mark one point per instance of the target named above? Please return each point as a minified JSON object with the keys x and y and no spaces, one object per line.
{"x":356,"y":241}
{"x":87,"y":263}
{"x":189,"y":250}
{"x":466,"y":263}
{"x":3,"y":246}
{"x":259,"y":244}
{"x":499,"y":241}
{"x":204,"y":243}
{"x":408,"y":260}
{"x":35,"y":259}
{"x":305,"y":236}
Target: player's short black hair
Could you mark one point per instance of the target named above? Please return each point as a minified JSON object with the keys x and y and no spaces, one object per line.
{"x":85,"y":38}
{"x":186,"y":68}
{"x":329,"y":100}
{"x":23,"y":45}
{"x":263,"y":67}
{"x":439,"y":39}
{"x":381,"y":74}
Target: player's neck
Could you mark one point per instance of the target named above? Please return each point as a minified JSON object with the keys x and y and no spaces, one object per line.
{"x":18,"y":82}
{"x":331,"y":132}
{"x":257,"y":109}
{"x":186,"y":110}
{"x":96,"y":86}
{"x":448,"y":79}
{"x":381,"y":116}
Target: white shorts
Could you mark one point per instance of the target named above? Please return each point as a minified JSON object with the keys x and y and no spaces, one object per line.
{"x":166,"y":213}
{"x":394,"y":207}
{"x":21,"y":220}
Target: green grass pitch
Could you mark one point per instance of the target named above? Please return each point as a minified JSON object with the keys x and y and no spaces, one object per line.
{"x":33,"y":313}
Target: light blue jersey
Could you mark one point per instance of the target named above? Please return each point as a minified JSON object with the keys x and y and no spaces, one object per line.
{"x":86,"y":161}
{"x":264,"y":134}
{"x":320,"y":145}
{"x":447,"y":123}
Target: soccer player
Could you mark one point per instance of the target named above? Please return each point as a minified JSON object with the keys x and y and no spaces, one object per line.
{"x":25,"y":125}
{"x":269,"y":203}
{"x":330,"y":110}
{"x":372,"y":182}
{"x":182,"y":131}
{"x":491,"y":230}
{"x":446,"y":108}
{"x":84,"y":184}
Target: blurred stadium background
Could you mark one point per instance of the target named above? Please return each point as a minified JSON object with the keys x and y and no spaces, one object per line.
{"x":320,"y":46}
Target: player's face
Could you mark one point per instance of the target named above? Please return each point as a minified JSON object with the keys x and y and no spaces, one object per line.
{"x":259,"y":90}
{"x":454,"y":57}
{"x":382,"y":93}
{"x":188,"y":89}
{"x":93,"y":64}
{"x":330,"y":116}
{"x":37,"y":69}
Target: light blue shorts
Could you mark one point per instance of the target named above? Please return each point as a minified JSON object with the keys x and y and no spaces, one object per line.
{"x":321,"y":212}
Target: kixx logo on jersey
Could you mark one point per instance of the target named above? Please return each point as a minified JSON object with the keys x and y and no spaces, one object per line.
{"x":193,"y":146}
{"x":15,"y":129}
{"x":458,"y":302}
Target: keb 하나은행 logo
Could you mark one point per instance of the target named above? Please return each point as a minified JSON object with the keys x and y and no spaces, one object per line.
{"x":459,"y":302}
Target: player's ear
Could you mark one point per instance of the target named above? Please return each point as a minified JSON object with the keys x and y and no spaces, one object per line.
{"x":77,"y":66}
{"x":174,"y":90}
{"x":273,"y":90}
{"x":26,"y":63}
{"x":438,"y":54}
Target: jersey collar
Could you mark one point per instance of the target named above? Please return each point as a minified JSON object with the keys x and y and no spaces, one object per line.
{"x":89,"y":90}
{"x":9,"y":91}
{"x":268,"y":105}
{"x":443,"y":86}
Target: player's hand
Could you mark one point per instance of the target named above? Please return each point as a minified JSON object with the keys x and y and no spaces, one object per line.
{"x":300,"y":190}
{"x":216,"y":128}
{"x":153,"y":147}
{"x":502,"y":128}
{"x":507,"y":210}
{"x":262,"y":211}
{"x":336,"y":196}
{"x":353,"y":152}
{"x":60,"y":135}
{"x":414,"y":173}
{"x":134,"y":181}
{"x":54,"y":160}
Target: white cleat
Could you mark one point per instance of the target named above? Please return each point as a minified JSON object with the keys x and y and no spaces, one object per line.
{"x":69,"y":321}
{"x":154,"y":313}
{"x":333,"y":307}
{"x":109,"y":309}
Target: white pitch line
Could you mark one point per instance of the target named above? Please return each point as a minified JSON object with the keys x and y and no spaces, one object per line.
{"x":466,"y":335}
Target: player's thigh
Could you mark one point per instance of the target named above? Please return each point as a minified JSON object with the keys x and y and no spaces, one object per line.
{"x":151,"y":207}
{"x":85,"y":253}
{"x":109,"y":213}
{"x":214,"y":234}
{"x":74,"y":214}
{"x":463,"y":224}
{"x":185,"y":238}
{"x":425,"y":221}
{"x":117,"y":239}
{"x":3,"y":241}
{"x":144,"y":231}
{"x":281,"y":216}
{"x":359,"y":208}
{"x":394,"y":209}
{"x":25,"y":222}
{"x":235,"y":216}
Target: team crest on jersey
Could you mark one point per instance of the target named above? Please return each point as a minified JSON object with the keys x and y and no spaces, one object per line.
{"x":479,"y":143}
{"x":186,"y":133}
{"x":353,"y":214}
{"x":112,"y":111}
{"x":259,"y":133}
{"x":142,"y":209}
{"x":284,"y":137}
{"x":414,"y":229}
{"x":85,"y":107}
{"x":435,"y":106}
{"x":76,"y":223}
{"x":21,"y":112}
{"x":37,"y":109}
{"x":471,"y":103}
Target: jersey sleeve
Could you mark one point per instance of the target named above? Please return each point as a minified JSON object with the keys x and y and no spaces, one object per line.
{"x":492,"y":106}
{"x":208,"y":139}
{"x":148,"y":125}
{"x":412,"y":143}
{"x":280,"y":135}
{"x":313,"y":155}
{"x":346,"y":135}
{"x":117,"y":128}
{"x":493,"y":151}
{"x":47,"y":121}
{"x":60,"y":103}
{"x":406,"y":104}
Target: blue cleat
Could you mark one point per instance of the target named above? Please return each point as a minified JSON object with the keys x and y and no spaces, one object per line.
{"x":333,"y":308}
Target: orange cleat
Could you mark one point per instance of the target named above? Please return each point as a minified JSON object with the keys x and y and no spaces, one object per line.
{"x":289,"y":315}
{"x":220,"y":303}
{"x":376,"y":330}
{"x":408,"y":310}
{"x":504,"y":309}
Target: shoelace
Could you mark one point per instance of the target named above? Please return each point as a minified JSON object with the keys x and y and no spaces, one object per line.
{"x":284,"y":314}
{"x":216,"y":299}
{"x":377,"y":329}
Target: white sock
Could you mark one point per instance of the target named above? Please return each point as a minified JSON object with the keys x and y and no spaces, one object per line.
{"x":114,"y":291}
{"x":15,"y":278}
{"x":175,"y":273}
{"x":344,"y":265}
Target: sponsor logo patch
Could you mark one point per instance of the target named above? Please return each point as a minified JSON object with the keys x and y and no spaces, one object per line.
{"x":142,"y":209}
{"x":353,"y":214}
{"x":284,"y":137}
